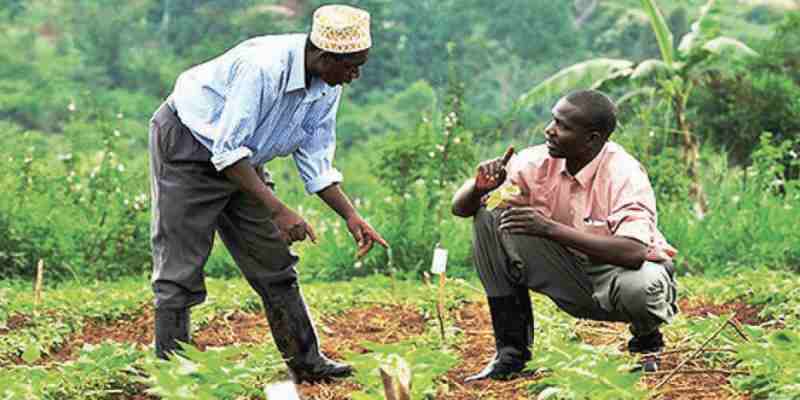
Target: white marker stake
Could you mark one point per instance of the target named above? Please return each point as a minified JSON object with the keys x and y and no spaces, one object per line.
{"x":439,"y":265}
{"x":282,"y":391}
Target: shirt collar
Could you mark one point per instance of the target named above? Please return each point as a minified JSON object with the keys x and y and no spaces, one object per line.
{"x":297,"y":73}
{"x":587,"y":173}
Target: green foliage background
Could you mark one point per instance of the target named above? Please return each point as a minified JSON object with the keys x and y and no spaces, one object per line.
{"x":79,"y":80}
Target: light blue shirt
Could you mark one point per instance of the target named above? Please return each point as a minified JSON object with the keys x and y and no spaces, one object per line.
{"x":252,"y":102}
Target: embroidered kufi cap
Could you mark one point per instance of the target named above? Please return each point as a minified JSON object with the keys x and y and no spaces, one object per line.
{"x":341,"y":29}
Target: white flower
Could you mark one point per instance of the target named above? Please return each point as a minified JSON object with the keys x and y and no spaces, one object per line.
{"x":457,"y":140}
{"x":406,"y":195}
{"x":65,"y":157}
{"x":652,"y":133}
{"x":735,"y":199}
{"x":432,"y":154}
{"x":116,"y":133}
{"x":792,"y":154}
{"x":358,"y":264}
{"x":419,"y":182}
{"x":119,"y":116}
{"x":71,"y":106}
{"x":121,"y":168}
{"x":440,"y":147}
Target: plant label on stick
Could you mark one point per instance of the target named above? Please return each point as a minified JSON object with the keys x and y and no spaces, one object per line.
{"x":282,"y":390}
{"x":439,"y":265}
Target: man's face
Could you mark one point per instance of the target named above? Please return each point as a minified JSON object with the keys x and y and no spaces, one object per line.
{"x":566,"y":134}
{"x":344,"y":69}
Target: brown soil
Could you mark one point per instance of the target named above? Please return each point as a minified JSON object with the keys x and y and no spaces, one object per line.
{"x":340,"y":390}
{"x":478,"y":348}
{"x":133,"y":329}
{"x":16,"y":321}
{"x":340,"y":334}
{"x":744,"y":313}
{"x":346,"y":332}
{"x":392,"y":323}
{"x":475,"y":352}
{"x":233,"y":327}
{"x":377,"y":323}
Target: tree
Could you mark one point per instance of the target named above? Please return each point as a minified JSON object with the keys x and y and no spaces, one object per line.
{"x":673,"y":77}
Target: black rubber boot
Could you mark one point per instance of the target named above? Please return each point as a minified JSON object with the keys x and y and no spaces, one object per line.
{"x":649,"y":346}
{"x":171,"y":326}
{"x":296,"y":338}
{"x":512,"y":321}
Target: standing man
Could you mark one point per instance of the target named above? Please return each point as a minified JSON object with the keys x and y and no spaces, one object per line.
{"x":582,"y":231}
{"x":268,"y":97}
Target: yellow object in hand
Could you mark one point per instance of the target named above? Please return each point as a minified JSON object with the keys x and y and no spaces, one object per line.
{"x":501,"y":194}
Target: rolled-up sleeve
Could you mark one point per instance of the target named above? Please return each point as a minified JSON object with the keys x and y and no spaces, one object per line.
{"x":249,"y":89}
{"x":633,"y":212}
{"x":314,"y":157}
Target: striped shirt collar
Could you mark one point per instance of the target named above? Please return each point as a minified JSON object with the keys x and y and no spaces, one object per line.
{"x":297,"y":73}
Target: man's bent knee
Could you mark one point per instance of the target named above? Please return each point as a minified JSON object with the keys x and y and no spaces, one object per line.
{"x":169,"y":295}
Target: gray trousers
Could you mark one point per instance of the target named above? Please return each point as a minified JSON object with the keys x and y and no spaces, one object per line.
{"x":644,"y":297}
{"x":191,"y":201}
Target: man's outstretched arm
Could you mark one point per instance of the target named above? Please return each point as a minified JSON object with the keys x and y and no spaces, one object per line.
{"x":363,"y":233}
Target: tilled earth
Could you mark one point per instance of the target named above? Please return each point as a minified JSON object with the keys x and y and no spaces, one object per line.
{"x":384,"y":323}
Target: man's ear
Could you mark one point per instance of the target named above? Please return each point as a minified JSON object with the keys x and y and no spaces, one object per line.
{"x":594,"y":138}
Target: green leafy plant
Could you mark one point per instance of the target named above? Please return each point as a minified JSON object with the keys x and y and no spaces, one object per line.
{"x":426,"y":365}
{"x":218,"y":373}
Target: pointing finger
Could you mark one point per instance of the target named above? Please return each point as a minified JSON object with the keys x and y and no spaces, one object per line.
{"x":311,"y":233}
{"x":507,"y":156}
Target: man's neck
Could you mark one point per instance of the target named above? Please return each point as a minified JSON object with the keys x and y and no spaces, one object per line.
{"x":308,"y":67}
{"x":575,"y":165}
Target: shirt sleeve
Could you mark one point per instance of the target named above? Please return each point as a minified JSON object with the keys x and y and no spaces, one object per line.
{"x":633,"y":212}
{"x":314,"y":157}
{"x":248,"y":90}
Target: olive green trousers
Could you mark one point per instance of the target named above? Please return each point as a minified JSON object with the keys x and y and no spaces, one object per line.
{"x":644,"y":297}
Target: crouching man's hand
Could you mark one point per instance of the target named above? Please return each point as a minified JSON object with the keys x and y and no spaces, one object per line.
{"x":526,"y":221}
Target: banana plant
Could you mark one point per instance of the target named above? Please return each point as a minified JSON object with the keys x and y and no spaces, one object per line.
{"x":673,"y":77}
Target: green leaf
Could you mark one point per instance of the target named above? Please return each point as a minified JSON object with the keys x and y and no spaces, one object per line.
{"x":550,"y":393}
{"x":661,"y":29}
{"x":726,"y":46}
{"x":699,"y":28}
{"x":32,"y":353}
{"x":649,"y":68}
{"x":591,"y":72}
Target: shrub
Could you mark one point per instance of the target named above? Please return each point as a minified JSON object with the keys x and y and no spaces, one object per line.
{"x":84,"y":212}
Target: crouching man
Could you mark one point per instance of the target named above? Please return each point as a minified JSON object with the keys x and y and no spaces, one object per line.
{"x":581,"y":230}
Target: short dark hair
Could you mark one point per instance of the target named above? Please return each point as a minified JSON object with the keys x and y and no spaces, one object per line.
{"x":598,"y":110}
